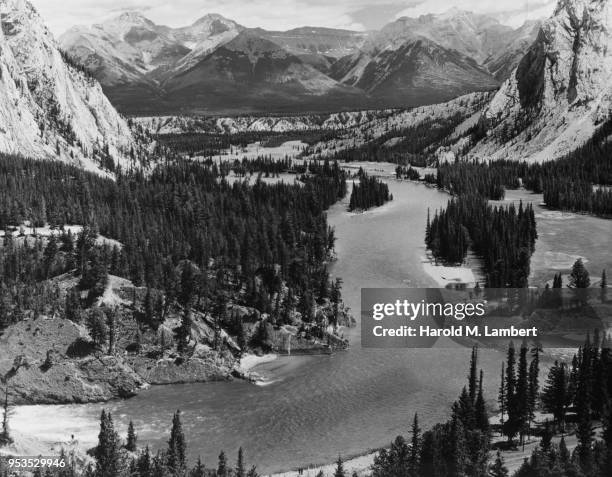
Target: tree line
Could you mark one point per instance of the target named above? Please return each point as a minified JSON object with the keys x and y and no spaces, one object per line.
{"x":180,"y":212}
{"x":503,"y":236}
{"x":368,"y":192}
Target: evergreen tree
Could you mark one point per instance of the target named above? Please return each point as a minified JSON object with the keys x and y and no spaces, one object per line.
{"x":240,"y":470}
{"x":177,"y":448}
{"x":144,"y":464}
{"x":513,"y":423}
{"x":473,"y":378}
{"x":534,"y":383}
{"x":457,"y":456}
{"x":501,"y":396}
{"x":222,"y":469}
{"x":415,"y":448}
{"x":482,"y":417}
{"x":547,"y":435}
{"x":5,"y":436}
{"x":130,"y":443}
{"x":521,"y":400}
{"x":199,"y":470}
{"x":339,"y":472}
{"x":252,"y":472}
{"x":555,"y":396}
{"x":584,"y":450}
{"x":183,"y":332}
{"x":579,"y":278}
{"x":73,"y":305}
{"x":106,"y":453}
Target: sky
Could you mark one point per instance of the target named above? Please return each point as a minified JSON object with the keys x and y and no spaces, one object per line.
{"x":282,"y":14}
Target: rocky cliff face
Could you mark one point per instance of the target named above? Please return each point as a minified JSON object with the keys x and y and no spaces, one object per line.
{"x":49,"y":108}
{"x":560,"y":92}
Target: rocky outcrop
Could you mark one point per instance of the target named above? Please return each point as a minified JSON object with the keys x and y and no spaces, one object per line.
{"x":179,"y":370}
{"x":559,"y":93}
{"x":50,"y":108}
{"x":35,"y":355}
{"x":51,"y":360}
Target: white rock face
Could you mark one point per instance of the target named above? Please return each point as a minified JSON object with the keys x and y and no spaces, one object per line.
{"x":560,"y":92}
{"x":49,"y":109}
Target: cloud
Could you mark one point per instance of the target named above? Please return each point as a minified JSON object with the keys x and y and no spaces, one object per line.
{"x":273,"y":14}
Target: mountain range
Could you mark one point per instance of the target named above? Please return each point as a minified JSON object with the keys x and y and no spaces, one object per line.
{"x":216,"y":65}
{"x":553,"y":100}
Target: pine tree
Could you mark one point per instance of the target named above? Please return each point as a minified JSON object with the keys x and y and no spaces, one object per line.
{"x":547,"y":435}
{"x":564,"y":454}
{"x":177,"y":448}
{"x":521,"y":400}
{"x":130,"y":443}
{"x":482,"y":417}
{"x":463,"y":409}
{"x":5,"y":436}
{"x":240,"y":465}
{"x":199,"y":470}
{"x":339,"y":472}
{"x":252,"y":472}
{"x":501,"y":397}
{"x":513,"y":424}
{"x":106,"y":453}
{"x":473,"y":378}
{"x":457,"y":456}
{"x":584,"y":433}
{"x":415,"y":447}
{"x":183,"y":332}
{"x":603,"y":284}
{"x":144,"y":464}
{"x":579,"y":278}
{"x":555,"y":396}
{"x":534,"y":383}
{"x":111,"y":324}
{"x":222,"y":469}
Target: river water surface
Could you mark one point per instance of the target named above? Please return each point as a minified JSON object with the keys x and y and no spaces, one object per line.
{"x":313,"y":408}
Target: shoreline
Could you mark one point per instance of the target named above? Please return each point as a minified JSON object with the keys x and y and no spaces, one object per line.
{"x":447,"y":276}
{"x":250,"y":361}
{"x":358,"y":463}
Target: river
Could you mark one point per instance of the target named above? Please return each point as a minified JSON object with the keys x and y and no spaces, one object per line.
{"x":313,"y":408}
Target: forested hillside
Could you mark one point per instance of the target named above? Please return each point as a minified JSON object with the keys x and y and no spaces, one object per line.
{"x":161,"y":265}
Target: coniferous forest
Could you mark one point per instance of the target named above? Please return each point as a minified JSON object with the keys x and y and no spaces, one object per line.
{"x":179,"y":212}
{"x":368,"y":192}
{"x":503,"y":236}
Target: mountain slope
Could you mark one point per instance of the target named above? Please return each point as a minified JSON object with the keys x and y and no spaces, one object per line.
{"x":122,"y":50}
{"x":49,"y":108}
{"x":319,"y":47}
{"x":415,"y":72}
{"x":252,"y":71}
{"x":473,"y":35}
{"x":502,"y":62}
{"x":559,"y":93}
